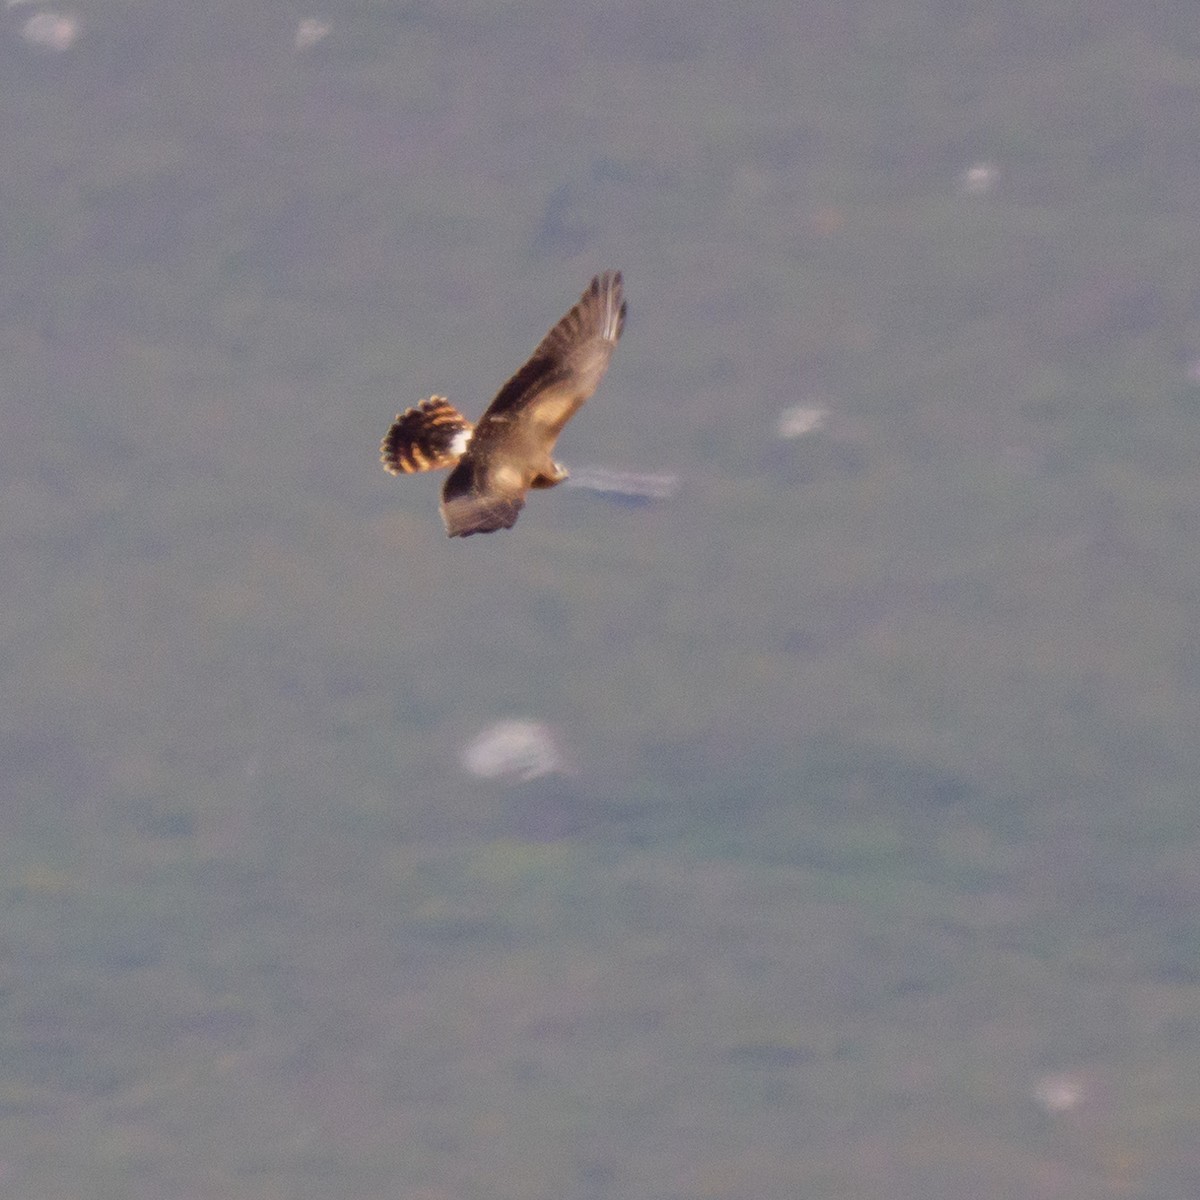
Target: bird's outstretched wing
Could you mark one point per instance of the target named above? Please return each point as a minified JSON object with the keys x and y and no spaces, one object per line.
{"x":433,"y":434}
{"x":569,"y":362}
{"x":510,"y":449}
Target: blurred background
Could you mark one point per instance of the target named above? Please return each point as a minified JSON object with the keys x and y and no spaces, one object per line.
{"x":820,"y":823}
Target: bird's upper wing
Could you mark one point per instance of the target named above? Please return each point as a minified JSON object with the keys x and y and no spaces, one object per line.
{"x":566,"y":367}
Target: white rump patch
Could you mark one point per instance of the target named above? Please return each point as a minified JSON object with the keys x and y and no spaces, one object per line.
{"x":458,"y":446}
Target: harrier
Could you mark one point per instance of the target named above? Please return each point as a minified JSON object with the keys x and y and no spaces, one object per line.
{"x":497,"y":461}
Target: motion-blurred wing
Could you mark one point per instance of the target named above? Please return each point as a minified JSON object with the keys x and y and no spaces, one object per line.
{"x":481,"y":497}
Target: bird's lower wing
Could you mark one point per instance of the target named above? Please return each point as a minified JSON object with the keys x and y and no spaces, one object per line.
{"x":477,"y":500}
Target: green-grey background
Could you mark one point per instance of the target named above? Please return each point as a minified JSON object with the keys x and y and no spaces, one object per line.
{"x":877,"y":872}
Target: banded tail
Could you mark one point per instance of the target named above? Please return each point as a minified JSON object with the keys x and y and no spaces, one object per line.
{"x":432,"y":435}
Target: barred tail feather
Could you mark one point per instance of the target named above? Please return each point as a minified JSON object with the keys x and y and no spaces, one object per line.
{"x":434,"y":434}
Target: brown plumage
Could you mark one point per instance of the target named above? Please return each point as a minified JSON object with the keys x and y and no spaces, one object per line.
{"x":509,"y":451}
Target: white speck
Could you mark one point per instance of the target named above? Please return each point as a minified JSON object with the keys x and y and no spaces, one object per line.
{"x":51,"y":31}
{"x":800,"y":419}
{"x":310,"y":31}
{"x":521,"y":750}
{"x":978,"y":179}
{"x":1059,"y":1093}
{"x":458,"y":446}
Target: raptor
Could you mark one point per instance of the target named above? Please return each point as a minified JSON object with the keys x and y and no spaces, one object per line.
{"x":495,"y":462}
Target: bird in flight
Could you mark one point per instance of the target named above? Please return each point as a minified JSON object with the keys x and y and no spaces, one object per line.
{"x":497,"y":461}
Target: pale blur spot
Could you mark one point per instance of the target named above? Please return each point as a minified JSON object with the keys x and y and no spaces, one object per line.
{"x":1059,"y":1093}
{"x":978,"y":179}
{"x":800,"y":419}
{"x":521,"y":750}
{"x":51,"y":31}
{"x":310,"y":31}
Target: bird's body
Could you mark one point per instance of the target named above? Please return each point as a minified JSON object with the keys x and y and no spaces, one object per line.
{"x":497,"y":461}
